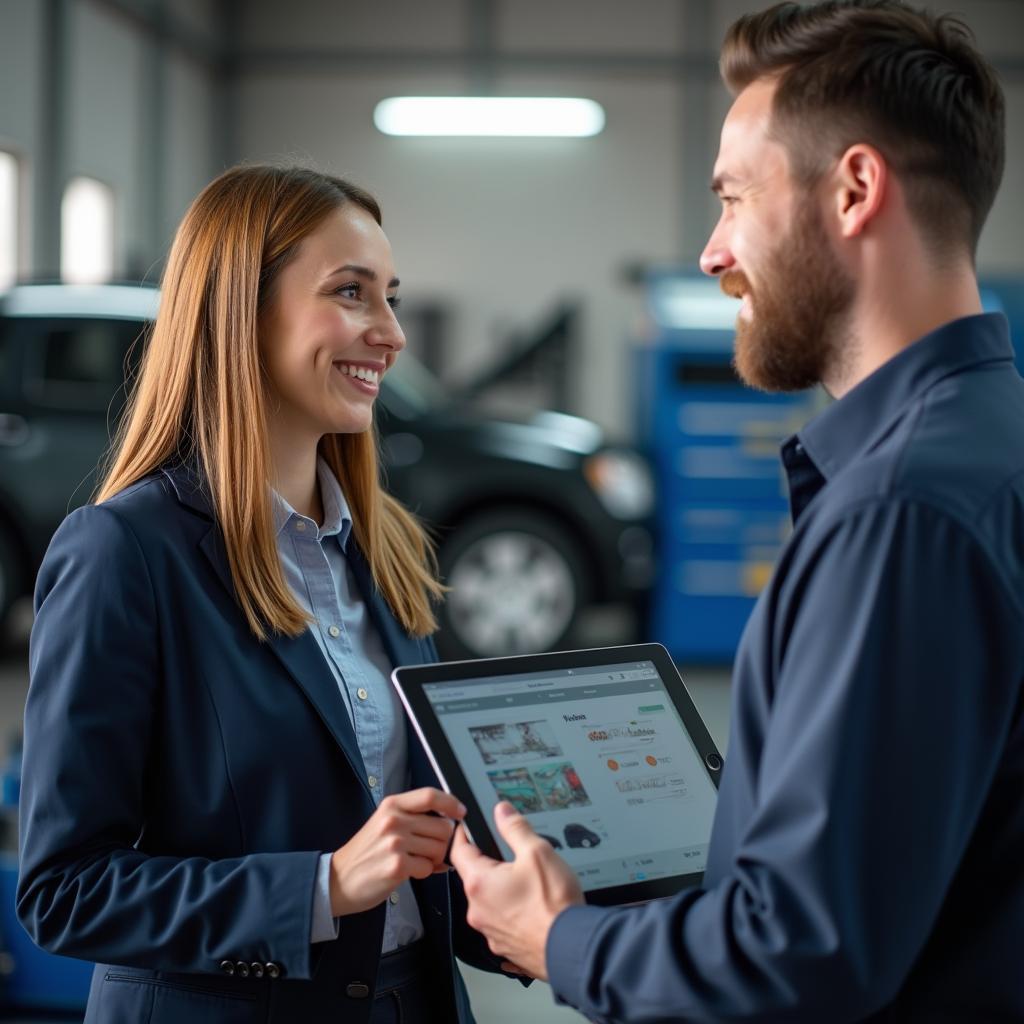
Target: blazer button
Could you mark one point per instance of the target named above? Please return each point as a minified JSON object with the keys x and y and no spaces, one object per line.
{"x":357,"y":990}
{"x":256,"y":970}
{"x":273,"y":970}
{"x":242,"y":969}
{"x":227,"y":966}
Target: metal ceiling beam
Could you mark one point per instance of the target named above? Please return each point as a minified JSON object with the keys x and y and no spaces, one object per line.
{"x":480,"y":57}
{"x":335,"y":60}
{"x":51,"y":167}
{"x":480,"y":38}
{"x":167,"y":30}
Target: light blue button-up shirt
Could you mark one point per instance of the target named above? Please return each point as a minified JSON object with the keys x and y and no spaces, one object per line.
{"x":313,"y":559}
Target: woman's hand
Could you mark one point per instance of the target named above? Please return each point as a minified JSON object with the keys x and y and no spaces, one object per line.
{"x":406,"y":837}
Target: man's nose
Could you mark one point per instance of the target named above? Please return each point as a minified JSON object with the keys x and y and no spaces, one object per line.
{"x":717,"y":257}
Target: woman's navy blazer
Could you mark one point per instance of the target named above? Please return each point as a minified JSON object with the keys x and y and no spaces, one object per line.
{"x":181,"y":781}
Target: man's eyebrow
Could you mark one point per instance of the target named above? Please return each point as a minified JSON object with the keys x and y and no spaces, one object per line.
{"x":370,"y":275}
{"x":720,"y":181}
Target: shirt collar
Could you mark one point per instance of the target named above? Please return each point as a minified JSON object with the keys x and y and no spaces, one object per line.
{"x":852,"y":425}
{"x":337,"y":516}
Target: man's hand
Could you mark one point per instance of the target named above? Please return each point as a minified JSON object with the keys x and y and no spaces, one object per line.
{"x":515,"y":904}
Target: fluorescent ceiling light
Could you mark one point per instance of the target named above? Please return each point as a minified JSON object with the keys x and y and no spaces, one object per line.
{"x":488,"y":115}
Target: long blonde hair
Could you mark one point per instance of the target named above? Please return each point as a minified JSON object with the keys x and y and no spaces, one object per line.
{"x":200,"y":396}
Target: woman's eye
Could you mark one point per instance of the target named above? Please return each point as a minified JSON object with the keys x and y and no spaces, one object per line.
{"x":394,"y":301}
{"x":348,"y":291}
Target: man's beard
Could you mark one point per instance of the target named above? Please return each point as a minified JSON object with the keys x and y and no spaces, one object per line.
{"x":794,"y":338}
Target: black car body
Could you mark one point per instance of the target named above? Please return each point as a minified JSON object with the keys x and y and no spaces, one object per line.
{"x":536,"y":520}
{"x":579,"y":836}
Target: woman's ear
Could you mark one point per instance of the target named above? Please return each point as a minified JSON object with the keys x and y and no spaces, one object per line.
{"x":861,"y":179}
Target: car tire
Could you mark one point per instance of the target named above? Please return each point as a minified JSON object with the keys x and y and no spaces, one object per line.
{"x":519,"y":581}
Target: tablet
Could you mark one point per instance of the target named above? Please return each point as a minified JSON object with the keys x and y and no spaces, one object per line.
{"x":602,"y":750}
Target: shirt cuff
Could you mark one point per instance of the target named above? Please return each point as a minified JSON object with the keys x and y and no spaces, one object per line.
{"x":567,"y":951}
{"x":324,"y":926}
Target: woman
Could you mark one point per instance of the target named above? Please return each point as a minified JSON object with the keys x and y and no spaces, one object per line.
{"x":221,"y":803}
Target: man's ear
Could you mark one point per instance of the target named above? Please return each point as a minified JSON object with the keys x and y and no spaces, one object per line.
{"x":861,"y":181}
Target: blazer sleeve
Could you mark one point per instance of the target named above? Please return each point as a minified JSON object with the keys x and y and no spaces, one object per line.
{"x":90,"y":725}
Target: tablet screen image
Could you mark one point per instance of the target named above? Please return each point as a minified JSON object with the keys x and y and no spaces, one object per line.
{"x":598,"y":757}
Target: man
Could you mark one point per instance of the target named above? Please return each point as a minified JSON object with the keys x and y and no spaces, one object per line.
{"x":867,"y":858}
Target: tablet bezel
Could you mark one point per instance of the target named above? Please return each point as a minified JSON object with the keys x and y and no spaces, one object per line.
{"x":409,"y":681}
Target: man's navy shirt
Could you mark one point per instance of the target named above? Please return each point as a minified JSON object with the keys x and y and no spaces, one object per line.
{"x":867,"y":858}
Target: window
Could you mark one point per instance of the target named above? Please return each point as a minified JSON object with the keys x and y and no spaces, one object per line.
{"x":80,"y":364}
{"x":87,"y":232}
{"x":8,"y":219}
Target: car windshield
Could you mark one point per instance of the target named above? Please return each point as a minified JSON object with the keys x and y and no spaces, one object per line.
{"x":414,"y":387}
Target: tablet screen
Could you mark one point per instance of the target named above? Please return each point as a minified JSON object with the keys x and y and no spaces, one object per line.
{"x":596,"y":757}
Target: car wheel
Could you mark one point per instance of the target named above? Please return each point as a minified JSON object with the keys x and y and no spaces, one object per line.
{"x":518,"y":582}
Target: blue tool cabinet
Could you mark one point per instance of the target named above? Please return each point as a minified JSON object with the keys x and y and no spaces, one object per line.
{"x":722,"y":504}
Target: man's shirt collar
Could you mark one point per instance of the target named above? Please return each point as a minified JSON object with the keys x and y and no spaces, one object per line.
{"x":852,"y":425}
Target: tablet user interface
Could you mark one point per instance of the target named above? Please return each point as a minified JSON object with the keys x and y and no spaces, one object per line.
{"x":598,"y":760}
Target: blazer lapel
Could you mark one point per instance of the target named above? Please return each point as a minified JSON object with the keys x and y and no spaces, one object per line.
{"x":301,"y":655}
{"x":305,"y":663}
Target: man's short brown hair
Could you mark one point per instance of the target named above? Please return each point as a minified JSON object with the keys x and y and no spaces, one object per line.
{"x":909,"y":82}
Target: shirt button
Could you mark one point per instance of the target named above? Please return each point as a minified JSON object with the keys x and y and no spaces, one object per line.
{"x":300,"y":526}
{"x":362,"y":693}
{"x":334,"y":631}
{"x":372,"y":780}
{"x":393,"y":899}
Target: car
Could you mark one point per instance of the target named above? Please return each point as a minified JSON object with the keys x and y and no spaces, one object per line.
{"x":577,"y":835}
{"x":555,"y":843}
{"x":536,"y":517}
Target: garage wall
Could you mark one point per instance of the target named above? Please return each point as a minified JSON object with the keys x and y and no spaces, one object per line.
{"x":193,"y":151}
{"x":498,"y":230}
{"x":21,"y":45}
{"x":90,"y":89}
{"x":105,"y":118}
{"x":502,"y":229}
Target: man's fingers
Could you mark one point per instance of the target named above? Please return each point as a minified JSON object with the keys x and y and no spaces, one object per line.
{"x":514,"y":828}
{"x":467,"y":858}
{"x":463,"y":854}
